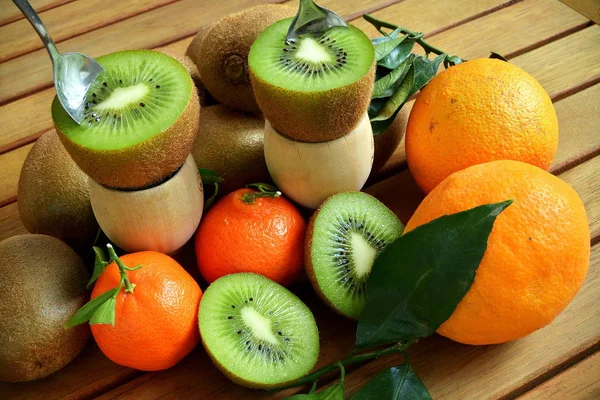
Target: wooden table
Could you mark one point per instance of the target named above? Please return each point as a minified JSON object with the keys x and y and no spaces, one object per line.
{"x":556,"y":44}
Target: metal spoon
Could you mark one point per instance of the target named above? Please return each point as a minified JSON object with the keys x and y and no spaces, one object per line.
{"x":73,"y":72}
{"x":312,"y":18}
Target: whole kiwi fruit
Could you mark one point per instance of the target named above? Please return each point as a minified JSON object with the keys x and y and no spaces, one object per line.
{"x":42,"y":286}
{"x":53,"y":194}
{"x":230,"y":143}
{"x":221,"y":49}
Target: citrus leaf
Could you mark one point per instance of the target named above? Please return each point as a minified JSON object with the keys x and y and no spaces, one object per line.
{"x":386,"y":86}
{"x":263,"y":187}
{"x":419,"y":279}
{"x":397,"y":100}
{"x":498,"y":56}
{"x":86,"y":312}
{"x":396,"y":383}
{"x":105,"y":314}
{"x":398,"y":55}
{"x":385,"y":47}
{"x":425,"y":70}
{"x":100,"y":262}
{"x":335,"y":392}
{"x":209,"y":177}
{"x":394,"y":34}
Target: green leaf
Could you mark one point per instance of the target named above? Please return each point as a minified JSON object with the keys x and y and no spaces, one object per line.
{"x":397,"y":100}
{"x":425,"y":70}
{"x":453,"y":60}
{"x":498,"y":56}
{"x":386,"y":86}
{"x":209,"y":177}
{"x":263,"y":187}
{"x":398,"y":55}
{"x":100,"y":262}
{"x":86,"y":312}
{"x":208,"y":203}
{"x":335,"y":392}
{"x":385,"y":47}
{"x":105,"y":314}
{"x":394,"y":34}
{"x":419,"y":279}
{"x":396,"y":383}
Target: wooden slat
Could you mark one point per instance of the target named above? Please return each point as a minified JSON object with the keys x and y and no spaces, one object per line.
{"x":33,"y":71}
{"x":9,"y":12}
{"x":9,"y":173}
{"x":511,"y":30}
{"x":67,"y":21}
{"x":431,"y":15}
{"x":451,"y":370}
{"x":10,"y":223}
{"x":589,"y":8}
{"x":581,"y":381}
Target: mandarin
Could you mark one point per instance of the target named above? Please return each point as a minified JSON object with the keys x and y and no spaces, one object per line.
{"x":244,"y":232}
{"x":157,"y":324}
{"x":537,"y":254}
{"x":479,"y":111}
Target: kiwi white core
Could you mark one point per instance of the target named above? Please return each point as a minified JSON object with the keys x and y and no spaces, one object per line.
{"x":260,"y":326}
{"x":122,"y":97}
{"x":311,"y":50}
{"x":362,"y":253}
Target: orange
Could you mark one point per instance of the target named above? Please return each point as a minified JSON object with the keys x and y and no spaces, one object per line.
{"x":156,"y":325}
{"x":537,"y":254}
{"x":479,"y":111}
{"x":264,"y":236}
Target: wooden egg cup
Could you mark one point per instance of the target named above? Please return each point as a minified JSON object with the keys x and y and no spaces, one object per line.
{"x":161,"y":218}
{"x":309,"y":173}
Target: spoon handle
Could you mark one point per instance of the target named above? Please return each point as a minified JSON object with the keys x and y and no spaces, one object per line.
{"x":39,"y":27}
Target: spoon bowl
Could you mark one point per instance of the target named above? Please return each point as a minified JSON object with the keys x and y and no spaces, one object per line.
{"x":312,"y":18}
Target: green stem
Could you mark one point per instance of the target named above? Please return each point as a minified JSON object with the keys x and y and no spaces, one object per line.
{"x":352,"y":359}
{"x":122,"y":269}
{"x":415,"y":35}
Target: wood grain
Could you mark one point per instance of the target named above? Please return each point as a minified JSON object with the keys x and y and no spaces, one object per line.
{"x":456,"y":371}
{"x":10,"y":222}
{"x":589,"y":8}
{"x":9,"y":173}
{"x":581,"y":381}
{"x":9,"y":12}
{"x":67,"y":21}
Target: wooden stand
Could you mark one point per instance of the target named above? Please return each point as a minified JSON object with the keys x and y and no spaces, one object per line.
{"x":162,"y":218}
{"x":309,"y":173}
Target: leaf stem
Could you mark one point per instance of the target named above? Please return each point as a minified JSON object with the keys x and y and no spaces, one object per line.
{"x":351,"y":359}
{"x":122,"y":269}
{"x":418,"y":36}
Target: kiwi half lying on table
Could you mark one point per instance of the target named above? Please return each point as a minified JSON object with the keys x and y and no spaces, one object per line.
{"x":316,"y":87}
{"x":258,"y":333}
{"x":141,"y":118}
{"x":344,"y":237}
{"x":220,"y":52}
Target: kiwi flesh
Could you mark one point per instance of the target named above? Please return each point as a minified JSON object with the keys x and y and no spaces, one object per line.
{"x":42,"y":286}
{"x":230,"y":143}
{"x":316,"y":87}
{"x":344,"y":237}
{"x":258,"y":333}
{"x":53,"y":194}
{"x":141,"y":119}
{"x":221,"y":49}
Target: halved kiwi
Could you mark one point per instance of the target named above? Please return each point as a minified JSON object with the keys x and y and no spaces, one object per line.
{"x":141,"y":118}
{"x":316,"y":87}
{"x":344,"y":237}
{"x":220,"y":51}
{"x":256,"y":331}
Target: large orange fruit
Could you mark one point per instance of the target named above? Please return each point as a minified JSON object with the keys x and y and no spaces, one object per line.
{"x":479,"y":111}
{"x":156,"y":325}
{"x":243,"y":233}
{"x":537,"y":254}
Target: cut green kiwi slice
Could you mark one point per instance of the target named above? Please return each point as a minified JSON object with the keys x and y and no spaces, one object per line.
{"x":138,"y":95}
{"x":345,"y":236}
{"x":315,"y":87}
{"x":141,"y":118}
{"x":256,"y":331}
{"x":311,"y":62}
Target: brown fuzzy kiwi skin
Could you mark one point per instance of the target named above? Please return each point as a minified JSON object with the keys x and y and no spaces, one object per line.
{"x":230,"y":143}
{"x":309,"y":267}
{"x":221,"y":53}
{"x":42,"y":286}
{"x":145,"y":163}
{"x":314,"y":116}
{"x":387,"y":141}
{"x":53,"y":194}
